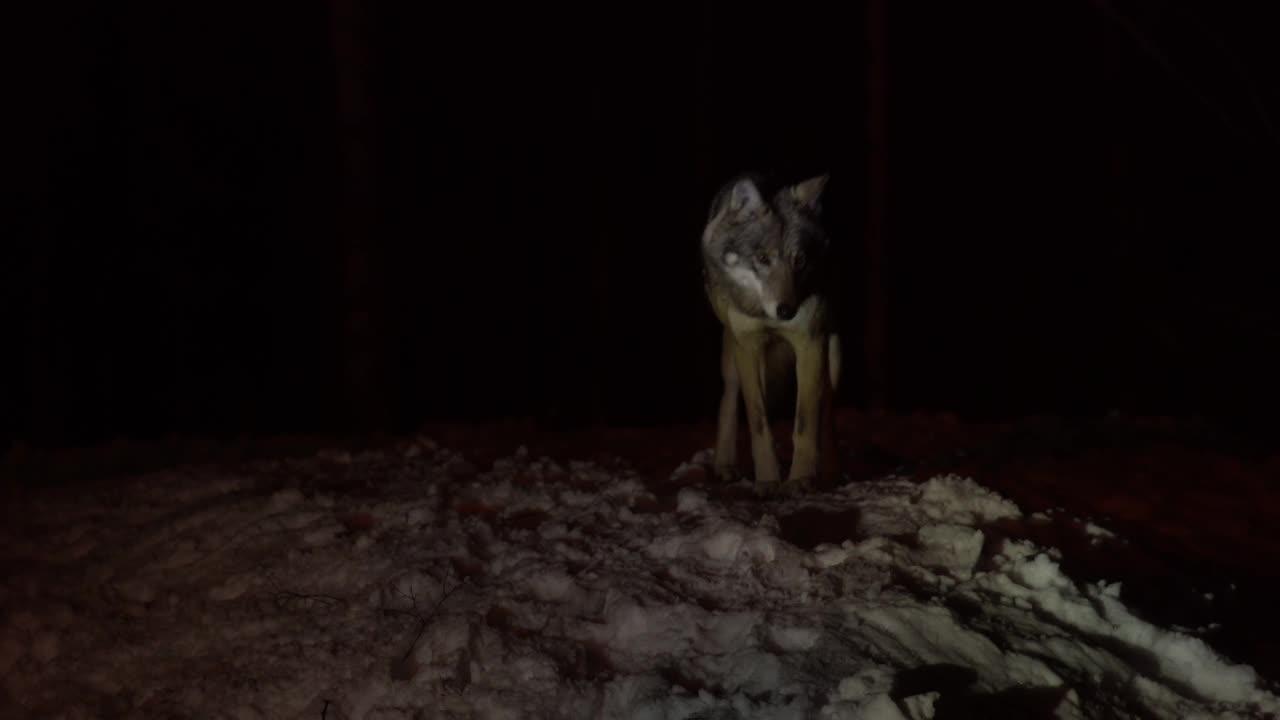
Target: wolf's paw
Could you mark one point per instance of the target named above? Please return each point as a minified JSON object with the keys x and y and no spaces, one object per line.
{"x":727,"y":473}
{"x":797,"y":485}
{"x":767,"y":479}
{"x":768,"y":492}
{"x":782,"y":490}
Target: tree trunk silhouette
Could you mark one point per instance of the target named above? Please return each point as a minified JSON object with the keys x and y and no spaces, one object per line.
{"x":874,"y":343}
{"x":44,"y":400}
{"x":365,"y":404}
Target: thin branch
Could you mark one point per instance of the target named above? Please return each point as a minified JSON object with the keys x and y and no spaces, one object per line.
{"x":424,"y":619}
{"x":1147,"y":44}
{"x":1239,"y":66}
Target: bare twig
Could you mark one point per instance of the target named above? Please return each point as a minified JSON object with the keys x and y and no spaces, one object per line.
{"x":1166,"y":63}
{"x":286,"y":598}
{"x":424,"y":619}
{"x":1238,"y":65}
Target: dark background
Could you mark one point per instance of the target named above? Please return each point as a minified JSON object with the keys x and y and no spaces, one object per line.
{"x":254,"y":217}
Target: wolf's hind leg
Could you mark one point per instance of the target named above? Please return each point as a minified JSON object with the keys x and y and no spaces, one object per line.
{"x":750,"y":357}
{"x":726,"y":458}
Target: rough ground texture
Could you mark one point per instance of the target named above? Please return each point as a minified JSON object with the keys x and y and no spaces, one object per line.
{"x":1032,"y":569}
{"x":1199,"y":509}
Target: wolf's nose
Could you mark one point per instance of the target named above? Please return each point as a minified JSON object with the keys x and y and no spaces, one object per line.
{"x":786,"y":312}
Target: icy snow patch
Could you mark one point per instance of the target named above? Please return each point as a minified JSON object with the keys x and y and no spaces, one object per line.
{"x":545,"y":589}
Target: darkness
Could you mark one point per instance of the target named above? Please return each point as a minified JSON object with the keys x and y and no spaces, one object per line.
{"x":292,"y":217}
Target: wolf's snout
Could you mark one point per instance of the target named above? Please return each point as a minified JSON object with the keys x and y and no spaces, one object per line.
{"x":786,"y":311}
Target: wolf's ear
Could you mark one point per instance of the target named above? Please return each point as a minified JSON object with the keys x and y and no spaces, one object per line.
{"x":809,"y":193}
{"x":744,"y":198}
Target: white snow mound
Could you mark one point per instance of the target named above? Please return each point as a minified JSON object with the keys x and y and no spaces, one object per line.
{"x":413,"y":584}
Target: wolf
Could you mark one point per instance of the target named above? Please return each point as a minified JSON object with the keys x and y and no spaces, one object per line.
{"x":764,"y":275}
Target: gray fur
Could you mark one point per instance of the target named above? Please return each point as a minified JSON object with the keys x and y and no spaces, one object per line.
{"x":780,"y":227}
{"x":763,"y":256}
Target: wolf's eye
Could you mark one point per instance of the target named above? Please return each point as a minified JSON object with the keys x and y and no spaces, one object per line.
{"x":763,"y":259}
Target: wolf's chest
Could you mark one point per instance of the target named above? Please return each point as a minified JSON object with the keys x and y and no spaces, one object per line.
{"x":743,"y":324}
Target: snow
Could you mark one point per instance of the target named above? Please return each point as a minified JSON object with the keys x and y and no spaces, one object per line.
{"x":412,"y":584}
{"x":1097,"y":533}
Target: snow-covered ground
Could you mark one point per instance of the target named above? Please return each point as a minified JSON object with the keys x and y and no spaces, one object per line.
{"x":407,"y":583}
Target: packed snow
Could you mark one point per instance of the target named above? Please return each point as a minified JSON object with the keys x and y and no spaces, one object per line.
{"x":408,"y":583}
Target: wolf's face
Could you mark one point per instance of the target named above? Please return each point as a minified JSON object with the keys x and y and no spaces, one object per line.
{"x":762,"y":249}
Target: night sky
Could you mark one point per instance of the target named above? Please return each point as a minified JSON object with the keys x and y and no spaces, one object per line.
{"x":1082,"y":208}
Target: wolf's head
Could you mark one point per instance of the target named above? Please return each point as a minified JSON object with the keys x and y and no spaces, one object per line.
{"x":764,"y":249}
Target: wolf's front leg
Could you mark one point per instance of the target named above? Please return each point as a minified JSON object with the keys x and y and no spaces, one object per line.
{"x":828,"y":460}
{"x":811,"y":389}
{"x":750,"y":358}
{"x":726,"y":459}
